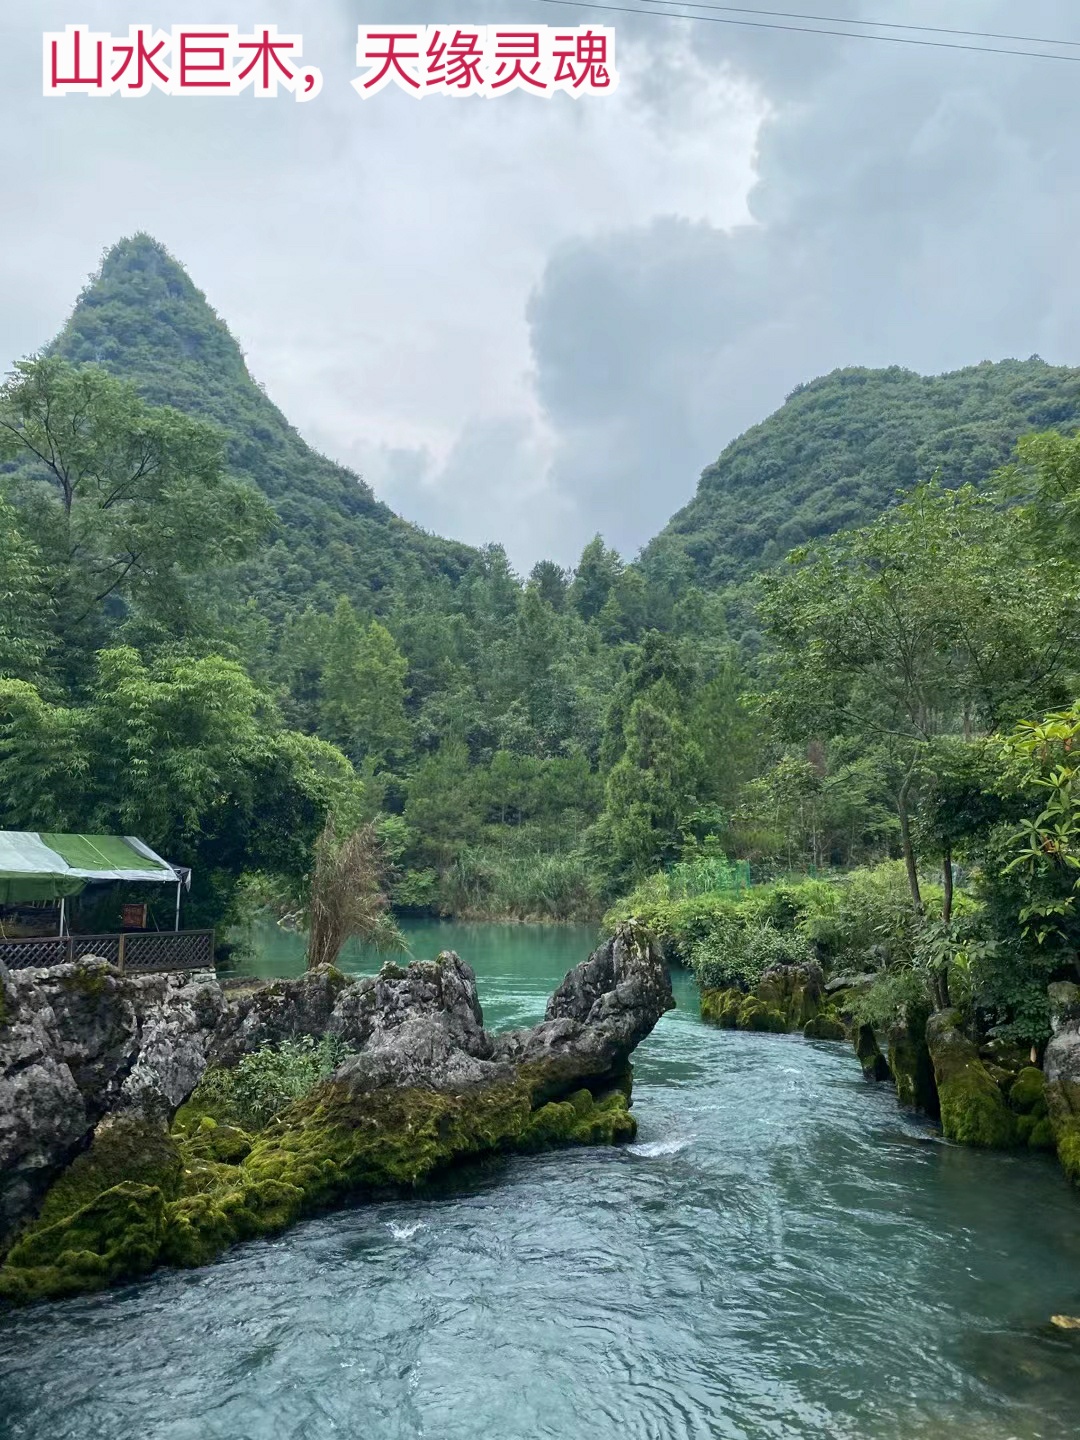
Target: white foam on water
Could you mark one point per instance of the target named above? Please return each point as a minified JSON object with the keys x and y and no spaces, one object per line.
{"x":404,"y":1232}
{"x":651,"y":1148}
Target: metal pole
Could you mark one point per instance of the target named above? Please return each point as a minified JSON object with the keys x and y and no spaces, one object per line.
{"x":176,"y":926}
{"x":61,"y":930}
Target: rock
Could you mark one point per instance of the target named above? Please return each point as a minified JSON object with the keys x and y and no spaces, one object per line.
{"x":973,"y":1109}
{"x":873,"y":1062}
{"x":1027,"y":1093}
{"x":79,"y":1042}
{"x":785,"y":998}
{"x":796,"y":991}
{"x":1061,"y":1069}
{"x":1064,"y":997}
{"x":849,"y":980}
{"x":910,"y":1063}
{"x":825,"y":1026}
{"x":427,"y":1087}
{"x":735,"y":1010}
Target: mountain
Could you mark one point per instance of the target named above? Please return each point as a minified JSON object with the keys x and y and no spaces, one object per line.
{"x":144,"y":320}
{"x":837,"y":451}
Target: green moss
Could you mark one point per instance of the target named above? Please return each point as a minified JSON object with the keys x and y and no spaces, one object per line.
{"x":973,"y":1109}
{"x":736,"y":1011}
{"x":826,"y":1025}
{"x":117,"y":1236}
{"x":873,"y":1062}
{"x":1067,"y":1135}
{"x":218,"y":1185}
{"x":1027,"y":1093}
{"x":90,"y":979}
{"x":721,"y":1007}
{"x":1035,"y":1131}
{"x":910,"y":1064}
{"x":121,"y":1151}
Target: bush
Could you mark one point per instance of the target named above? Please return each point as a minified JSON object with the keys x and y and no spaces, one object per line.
{"x":736,"y":954}
{"x":264,"y":1083}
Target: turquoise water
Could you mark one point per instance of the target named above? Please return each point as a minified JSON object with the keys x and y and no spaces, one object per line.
{"x":781,"y":1254}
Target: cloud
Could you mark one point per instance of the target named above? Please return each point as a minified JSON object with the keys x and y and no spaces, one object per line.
{"x":530,"y":320}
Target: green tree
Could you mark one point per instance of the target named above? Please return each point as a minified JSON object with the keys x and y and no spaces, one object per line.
{"x":650,"y":790}
{"x":939,"y":618}
{"x":125,"y":499}
{"x":185,"y":752}
{"x":362,"y":689}
{"x":597,"y":571}
{"x":24,"y":601}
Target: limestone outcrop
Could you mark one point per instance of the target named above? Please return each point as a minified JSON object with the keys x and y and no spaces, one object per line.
{"x":1061,"y":1067}
{"x":425,"y":1086}
{"x":79,"y":1042}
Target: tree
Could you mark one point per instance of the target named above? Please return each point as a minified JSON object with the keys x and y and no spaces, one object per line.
{"x":940,"y":617}
{"x":362,"y":689}
{"x":125,"y":499}
{"x":596,"y":573}
{"x":650,"y":790}
{"x":346,"y":898}
{"x":25,"y":607}
{"x":185,"y":752}
{"x":550,"y":581}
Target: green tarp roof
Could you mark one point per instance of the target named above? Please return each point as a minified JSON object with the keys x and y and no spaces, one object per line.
{"x":36,"y":865}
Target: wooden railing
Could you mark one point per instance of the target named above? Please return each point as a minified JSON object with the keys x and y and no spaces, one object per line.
{"x":137,"y":951}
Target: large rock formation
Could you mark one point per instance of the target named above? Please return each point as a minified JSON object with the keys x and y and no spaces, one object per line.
{"x":787,"y":997}
{"x":1061,"y":1066}
{"x":973,"y":1108}
{"x":425,"y":1086}
{"x":80,"y":1042}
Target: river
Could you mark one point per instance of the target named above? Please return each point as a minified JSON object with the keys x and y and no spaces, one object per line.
{"x":782,"y":1255}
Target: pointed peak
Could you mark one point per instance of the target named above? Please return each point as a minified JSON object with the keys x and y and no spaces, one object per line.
{"x":142,"y":259}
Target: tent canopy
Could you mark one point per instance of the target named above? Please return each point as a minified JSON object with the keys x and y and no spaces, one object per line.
{"x":41,"y":866}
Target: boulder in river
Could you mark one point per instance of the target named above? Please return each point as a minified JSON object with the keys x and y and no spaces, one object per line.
{"x":973,"y":1109}
{"x":873,"y":1062}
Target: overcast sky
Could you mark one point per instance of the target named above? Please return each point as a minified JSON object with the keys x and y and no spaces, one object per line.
{"x":529,"y":320}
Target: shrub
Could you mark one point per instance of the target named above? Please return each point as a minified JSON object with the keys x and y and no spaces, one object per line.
{"x":265,"y":1082}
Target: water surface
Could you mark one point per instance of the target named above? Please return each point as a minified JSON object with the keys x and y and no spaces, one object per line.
{"x":781,"y":1254}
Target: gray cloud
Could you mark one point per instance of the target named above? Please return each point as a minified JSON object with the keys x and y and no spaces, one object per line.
{"x":531,"y":320}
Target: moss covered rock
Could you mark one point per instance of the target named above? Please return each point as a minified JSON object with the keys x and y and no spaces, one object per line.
{"x":117,"y":1236}
{"x":735,"y":1010}
{"x":796,"y":991}
{"x":873,"y":1062}
{"x":826,"y":1025}
{"x":910,"y":1064}
{"x":973,"y":1109}
{"x":1027,"y":1093}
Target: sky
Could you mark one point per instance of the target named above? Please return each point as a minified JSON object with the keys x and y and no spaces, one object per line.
{"x":529,"y":321}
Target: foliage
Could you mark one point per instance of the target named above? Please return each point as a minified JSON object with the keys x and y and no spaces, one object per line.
{"x":346,"y":899}
{"x":837,"y":452}
{"x":184,"y":752}
{"x":266,"y":1081}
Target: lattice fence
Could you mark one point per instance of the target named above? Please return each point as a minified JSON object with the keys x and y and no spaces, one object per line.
{"x":140,"y":952}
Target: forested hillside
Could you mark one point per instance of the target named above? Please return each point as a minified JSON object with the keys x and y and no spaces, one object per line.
{"x":143,"y":319}
{"x":839,"y":450}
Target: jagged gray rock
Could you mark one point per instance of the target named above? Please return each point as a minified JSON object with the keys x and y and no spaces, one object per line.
{"x":81,"y":1045}
{"x":82,"y":1041}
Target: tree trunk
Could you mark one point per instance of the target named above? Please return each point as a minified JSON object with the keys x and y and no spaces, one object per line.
{"x":947,"y":875}
{"x":905,"y":840}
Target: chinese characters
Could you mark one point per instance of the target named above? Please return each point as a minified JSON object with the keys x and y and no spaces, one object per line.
{"x":453,"y":60}
{"x":485,"y":60}
{"x":188,"y":60}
